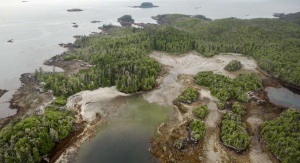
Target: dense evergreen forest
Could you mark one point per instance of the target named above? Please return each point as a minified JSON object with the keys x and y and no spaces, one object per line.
{"x":225,"y":88}
{"x":118,"y":59}
{"x":32,"y":137}
{"x":282,"y":136}
{"x":121,"y":58}
{"x":274,"y":43}
{"x":233,"y":132}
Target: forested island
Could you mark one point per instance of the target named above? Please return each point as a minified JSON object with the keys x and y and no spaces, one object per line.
{"x":145,"y":5}
{"x":121,"y":58}
{"x":126,"y":20}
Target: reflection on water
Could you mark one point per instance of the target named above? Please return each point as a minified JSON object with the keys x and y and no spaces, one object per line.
{"x":283,"y":97}
{"x":125,"y":138}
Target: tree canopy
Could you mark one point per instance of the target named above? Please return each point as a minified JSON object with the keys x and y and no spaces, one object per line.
{"x":225,"y":88}
{"x":273,"y":43}
{"x":233,"y":132}
{"x":30,"y":138}
{"x":188,"y":96}
{"x":233,"y":65}
{"x":282,"y":136}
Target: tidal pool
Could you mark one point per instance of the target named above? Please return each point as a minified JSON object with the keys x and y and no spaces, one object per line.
{"x":126,"y":136}
{"x":283,"y":97}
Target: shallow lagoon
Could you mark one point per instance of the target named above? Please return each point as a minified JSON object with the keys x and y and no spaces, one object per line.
{"x":126,"y":136}
{"x":284,"y":97}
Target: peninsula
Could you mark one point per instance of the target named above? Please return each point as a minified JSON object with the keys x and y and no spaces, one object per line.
{"x":219,"y":115}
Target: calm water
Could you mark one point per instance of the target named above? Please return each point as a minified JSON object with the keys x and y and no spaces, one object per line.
{"x":38,"y":26}
{"x":125,"y":138}
{"x":283,"y":97}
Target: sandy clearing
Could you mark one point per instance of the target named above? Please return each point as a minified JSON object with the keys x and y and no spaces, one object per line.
{"x":256,"y":153}
{"x":190,"y":63}
{"x":96,"y":101}
{"x":103,"y":101}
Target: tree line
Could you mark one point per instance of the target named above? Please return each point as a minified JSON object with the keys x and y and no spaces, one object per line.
{"x":273,"y":43}
{"x":282,"y":136}
{"x":225,"y":88}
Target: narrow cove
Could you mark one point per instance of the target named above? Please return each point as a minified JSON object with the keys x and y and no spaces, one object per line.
{"x":126,"y":137}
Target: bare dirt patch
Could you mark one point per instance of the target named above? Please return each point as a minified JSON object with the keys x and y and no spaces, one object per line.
{"x":190,"y":64}
{"x":180,"y":74}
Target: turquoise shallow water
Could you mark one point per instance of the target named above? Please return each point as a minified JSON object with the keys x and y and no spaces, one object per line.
{"x":126,"y":137}
{"x":283,"y":97}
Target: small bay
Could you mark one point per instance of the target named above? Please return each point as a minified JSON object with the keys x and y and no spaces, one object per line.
{"x":126,"y":137}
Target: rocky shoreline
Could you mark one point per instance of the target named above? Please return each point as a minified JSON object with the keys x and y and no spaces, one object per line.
{"x":29,"y":98}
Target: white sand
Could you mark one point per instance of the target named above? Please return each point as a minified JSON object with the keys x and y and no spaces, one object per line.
{"x":95,"y":101}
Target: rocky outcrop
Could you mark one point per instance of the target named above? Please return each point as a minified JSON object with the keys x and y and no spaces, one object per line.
{"x":2,"y":92}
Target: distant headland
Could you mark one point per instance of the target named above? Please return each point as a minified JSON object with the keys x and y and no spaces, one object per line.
{"x":144,"y":5}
